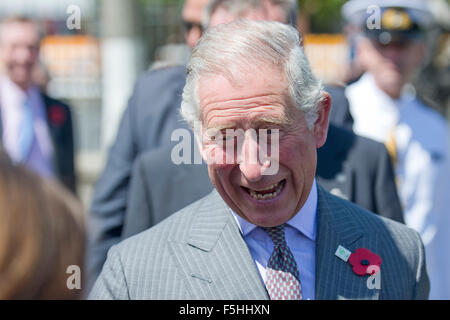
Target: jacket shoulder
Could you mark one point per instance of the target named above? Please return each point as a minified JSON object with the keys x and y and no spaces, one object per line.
{"x":360,"y":151}
{"x":158,"y":92}
{"x":49,"y":102}
{"x":359,"y":144}
{"x":153,"y":240}
{"x":138,"y":264}
{"x":163,"y":75}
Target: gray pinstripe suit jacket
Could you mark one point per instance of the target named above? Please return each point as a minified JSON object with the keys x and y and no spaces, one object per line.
{"x":199,"y":253}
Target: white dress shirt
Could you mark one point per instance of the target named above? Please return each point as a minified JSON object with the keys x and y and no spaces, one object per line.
{"x":300,"y":234}
{"x":12,"y":104}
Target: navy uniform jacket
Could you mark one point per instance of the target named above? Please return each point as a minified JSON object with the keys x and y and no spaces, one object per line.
{"x":61,"y":133}
{"x":147,"y":124}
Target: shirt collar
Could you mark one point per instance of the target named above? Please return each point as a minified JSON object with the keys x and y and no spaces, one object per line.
{"x":304,"y":221}
{"x":407,"y":94}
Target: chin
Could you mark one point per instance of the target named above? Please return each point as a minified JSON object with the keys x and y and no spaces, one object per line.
{"x":268,"y":220}
{"x":269,"y":216}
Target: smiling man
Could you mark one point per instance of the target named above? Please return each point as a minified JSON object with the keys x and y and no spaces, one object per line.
{"x":241,"y":104}
{"x":259,"y":235}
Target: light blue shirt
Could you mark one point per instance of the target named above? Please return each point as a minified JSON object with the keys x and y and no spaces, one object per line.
{"x":300,"y":234}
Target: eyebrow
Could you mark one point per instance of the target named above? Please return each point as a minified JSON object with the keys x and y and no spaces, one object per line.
{"x":268,"y":121}
{"x":257,"y":123}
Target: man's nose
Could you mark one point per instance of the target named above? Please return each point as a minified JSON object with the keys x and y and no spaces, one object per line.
{"x":249,"y":164}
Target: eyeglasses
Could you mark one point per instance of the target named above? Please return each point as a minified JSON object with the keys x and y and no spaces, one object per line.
{"x":188,"y":25}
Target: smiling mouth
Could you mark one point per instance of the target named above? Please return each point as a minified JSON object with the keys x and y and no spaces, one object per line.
{"x":267,"y":193}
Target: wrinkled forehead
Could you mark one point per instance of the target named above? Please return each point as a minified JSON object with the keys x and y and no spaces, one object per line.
{"x":252,"y":96}
{"x":239,"y":80}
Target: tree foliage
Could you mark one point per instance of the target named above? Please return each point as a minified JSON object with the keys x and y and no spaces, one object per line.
{"x":324,"y":15}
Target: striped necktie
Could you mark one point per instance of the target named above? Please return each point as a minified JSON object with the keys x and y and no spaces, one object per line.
{"x":282,"y":276}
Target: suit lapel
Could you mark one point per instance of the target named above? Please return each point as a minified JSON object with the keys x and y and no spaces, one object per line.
{"x":215,"y":259}
{"x":47,"y":104}
{"x":335,"y":278}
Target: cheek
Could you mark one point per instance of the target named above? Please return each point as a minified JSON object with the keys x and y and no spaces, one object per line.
{"x":298,"y":155}
{"x":221,"y":177}
{"x":296,"y":144}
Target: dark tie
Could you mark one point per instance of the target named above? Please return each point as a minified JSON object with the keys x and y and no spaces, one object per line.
{"x":282,"y":278}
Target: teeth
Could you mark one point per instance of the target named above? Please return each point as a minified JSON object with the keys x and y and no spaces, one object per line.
{"x":266,"y":196}
{"x":270,"y":187}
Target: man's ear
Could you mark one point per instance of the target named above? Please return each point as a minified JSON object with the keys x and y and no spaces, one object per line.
{"x":321,"y":124}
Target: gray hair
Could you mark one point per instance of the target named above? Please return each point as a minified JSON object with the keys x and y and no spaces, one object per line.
{"x":239,"y":8}
{"x":229,"y":48}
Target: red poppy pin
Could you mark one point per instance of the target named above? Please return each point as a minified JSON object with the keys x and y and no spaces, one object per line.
{"x":57,"y":115}
{"x":363,"y":260}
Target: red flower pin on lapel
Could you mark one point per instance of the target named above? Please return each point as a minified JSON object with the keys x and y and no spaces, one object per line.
{"x":57,"y":115}
{"x":362,"y":259}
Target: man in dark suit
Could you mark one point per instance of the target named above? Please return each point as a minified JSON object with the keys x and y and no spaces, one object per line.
{"x":148,"y":122}
{"x":34,"y":128}
{"x":268,"y":230}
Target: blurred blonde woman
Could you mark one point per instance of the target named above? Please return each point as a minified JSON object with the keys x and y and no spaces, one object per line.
{"x":41,"y":234}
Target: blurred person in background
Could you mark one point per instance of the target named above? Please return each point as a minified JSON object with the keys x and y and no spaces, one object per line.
{"x":34,"y":129}
{"x":147,"y":123}
{"x":41,"y":235}
{"x":384,"y":107}
{"x":192,"y":21}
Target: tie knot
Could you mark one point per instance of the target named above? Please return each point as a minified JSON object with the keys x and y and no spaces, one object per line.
{"x":276,"y":234}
